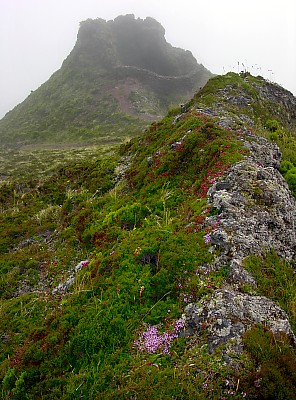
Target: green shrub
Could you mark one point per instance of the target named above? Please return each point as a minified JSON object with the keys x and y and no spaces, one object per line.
{"x":275,"y":358}
{"x":9,"y":379}
{"x":272,"y":125}
{"x":286,"y":165}
{"x":290,"y":177}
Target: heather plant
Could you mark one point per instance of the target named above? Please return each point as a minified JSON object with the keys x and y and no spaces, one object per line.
{"x":275,"y":377}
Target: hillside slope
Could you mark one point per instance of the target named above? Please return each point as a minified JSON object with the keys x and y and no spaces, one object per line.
{"x":164,"y":271}
{"x":119,"y":75}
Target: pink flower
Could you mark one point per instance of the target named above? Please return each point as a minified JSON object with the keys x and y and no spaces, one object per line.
{"x":207,"y":238}
{"x":84,"y":263}
{"x":152,"y":340}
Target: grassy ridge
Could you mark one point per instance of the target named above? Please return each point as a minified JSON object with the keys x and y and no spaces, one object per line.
{"x":142,"y":240}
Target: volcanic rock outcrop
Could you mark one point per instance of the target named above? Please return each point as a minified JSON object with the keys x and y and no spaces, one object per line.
{"x":256,"y":214}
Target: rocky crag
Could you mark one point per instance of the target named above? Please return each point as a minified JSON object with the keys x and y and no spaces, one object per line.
{"x":120,"y":75}
{"x":256,"y":214}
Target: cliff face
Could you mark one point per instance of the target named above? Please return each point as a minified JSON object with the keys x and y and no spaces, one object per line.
{"x":167,"y":270}
{"x":129,"y":41}
{"x":120,"y":73}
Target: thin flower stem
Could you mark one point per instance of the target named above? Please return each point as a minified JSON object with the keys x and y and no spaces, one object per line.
{"x":154,"y":306}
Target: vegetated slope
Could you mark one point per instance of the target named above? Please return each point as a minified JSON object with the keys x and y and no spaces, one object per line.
{"x":165,"y":271}
{"x":119,"y":75}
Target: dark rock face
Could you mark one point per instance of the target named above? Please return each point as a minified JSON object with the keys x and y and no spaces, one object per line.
{"x":275,"y":94}
{"x":137,"y":50}
{"x":223,"y":185}
{"x":126,"y":41}
{"x":120,"y":75}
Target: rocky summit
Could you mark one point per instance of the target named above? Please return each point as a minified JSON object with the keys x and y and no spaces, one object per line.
{"x":164,"y":269}
{"x":120,"y":75}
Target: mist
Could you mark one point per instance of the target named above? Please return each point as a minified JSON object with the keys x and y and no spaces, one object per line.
{"x":229,"y":35}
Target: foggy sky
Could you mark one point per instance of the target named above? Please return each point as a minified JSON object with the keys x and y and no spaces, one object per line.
{"x":37,"y":35}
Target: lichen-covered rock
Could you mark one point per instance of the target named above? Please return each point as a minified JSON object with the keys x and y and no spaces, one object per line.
{"x":256,"y":210}
{"x":238,"y":275}
{"x":63,"y":287}
{"x":275,"y":94}
{"x":256,"y":214}
{"x":263,"y":152}
{"x":229,"y":314}
{"x":121,"y":168}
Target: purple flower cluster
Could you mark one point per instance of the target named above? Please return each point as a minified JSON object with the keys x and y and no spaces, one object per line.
{"x":205,"y":270}
{"x":152,"y":340}
{"x":84,"y":263}
{"x":207,"y":238}
{"x":187,"y":298}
